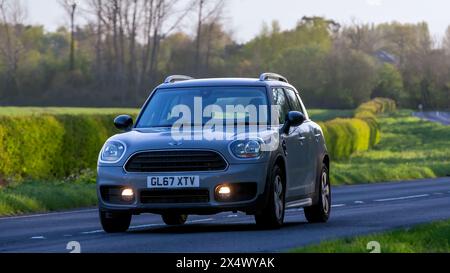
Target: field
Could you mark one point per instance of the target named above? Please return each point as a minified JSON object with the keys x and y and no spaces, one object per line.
{"x":410,"y":148}
{"x":315,"y":114}
{"x":429,"y":238}
{"x":327,"y":114}
{"x":22,"y":111}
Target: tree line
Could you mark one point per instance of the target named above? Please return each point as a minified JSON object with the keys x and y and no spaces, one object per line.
{"x":126,"y":47}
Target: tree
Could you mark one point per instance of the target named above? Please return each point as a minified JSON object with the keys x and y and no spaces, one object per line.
{"x":70,"y":6}
{"x":12,"y":15}
{"x":207,"y":10}
{"x":446,"y":41}
{"x":389,"y":83}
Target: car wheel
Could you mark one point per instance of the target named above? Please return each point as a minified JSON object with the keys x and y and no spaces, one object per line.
{"x":272,"y":216}
{"x":174,"y":219}
{"x":115,"y":222}
{"x":320,"y":213}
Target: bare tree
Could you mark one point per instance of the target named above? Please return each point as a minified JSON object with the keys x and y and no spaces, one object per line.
{"x":446,"y":41}
{"x":206,"y":10}
{"x":70,"y":6}
{"x":12,"y":15}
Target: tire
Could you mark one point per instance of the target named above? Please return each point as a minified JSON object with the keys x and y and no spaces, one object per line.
{"x":115,"y":222}
{"x":272,"y":216}
{"x":174,"y":219}
{"x":320,"y":213}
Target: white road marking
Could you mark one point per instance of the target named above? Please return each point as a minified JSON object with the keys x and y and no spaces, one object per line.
{"x":438,"y":193}
{"x":232,"y":216}
{"x":402,"y":198}
{"x":201,"y":220}
{"x":146,"y":226}
{"x":92,"y":232}
{"x":47,"y":214}
{"x":338,"y":205}
{"x":38,"y":238}
{"x":131,"y":228}
{"x":359,"y":202}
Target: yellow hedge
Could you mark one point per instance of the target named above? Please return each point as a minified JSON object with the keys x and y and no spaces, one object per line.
{"x":346,"y":136}
{"x":51,"y":146}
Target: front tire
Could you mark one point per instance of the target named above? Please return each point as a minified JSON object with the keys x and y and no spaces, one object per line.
{"x":174,"y":219}
{"x":320,"y":213}
{"x":272,"y":216}
{"x":115,"y":222}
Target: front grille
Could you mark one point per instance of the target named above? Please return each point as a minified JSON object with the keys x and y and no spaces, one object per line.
{"x":174,"y":196}
{"x":175,"y":161}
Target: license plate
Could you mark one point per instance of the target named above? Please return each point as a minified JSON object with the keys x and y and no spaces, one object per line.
{"x":173,"y":182}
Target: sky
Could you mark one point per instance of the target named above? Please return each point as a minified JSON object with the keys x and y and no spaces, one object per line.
{"x":246,"y":17}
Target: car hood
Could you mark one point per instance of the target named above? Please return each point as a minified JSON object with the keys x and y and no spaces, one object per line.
{"x":156,"y":139}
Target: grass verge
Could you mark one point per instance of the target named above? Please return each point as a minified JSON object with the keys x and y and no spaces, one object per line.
{"x":429,"y":238}
{"x":410,"y":148}
{"x":38,"y":196}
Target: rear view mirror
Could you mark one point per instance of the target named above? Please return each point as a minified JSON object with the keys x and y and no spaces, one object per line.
{"x":293,"y":119}
{"x":123,"y":122}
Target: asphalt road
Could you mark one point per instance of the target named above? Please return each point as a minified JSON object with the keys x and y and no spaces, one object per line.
{"x":359,"y":209}
{"x":436,"y":116}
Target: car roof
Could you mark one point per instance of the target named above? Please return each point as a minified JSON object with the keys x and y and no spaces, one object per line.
{"x":223,"y":82}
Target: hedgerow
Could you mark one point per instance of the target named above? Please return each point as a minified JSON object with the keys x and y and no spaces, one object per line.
{"x":51,"y":146}
{"x":54,"y":146}
{"x":347,"y":136}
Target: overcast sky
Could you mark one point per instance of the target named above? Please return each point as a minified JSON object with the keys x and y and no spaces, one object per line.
{"x":247,"y":16}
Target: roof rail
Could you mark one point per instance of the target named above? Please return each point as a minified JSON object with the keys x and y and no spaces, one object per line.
{"x":177,"y":78}
{"x":272,"y":77}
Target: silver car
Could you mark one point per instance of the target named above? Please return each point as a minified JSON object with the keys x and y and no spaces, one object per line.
{"x":213,"y":145}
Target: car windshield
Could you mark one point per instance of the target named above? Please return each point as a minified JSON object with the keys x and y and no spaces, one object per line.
{"x":206,"y":104}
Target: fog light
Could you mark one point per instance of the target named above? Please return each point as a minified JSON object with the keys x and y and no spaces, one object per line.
{"x":224,"y":190}
{"x":128,"y":195}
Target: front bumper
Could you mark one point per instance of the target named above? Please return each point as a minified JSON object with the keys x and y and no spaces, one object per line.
{"x":235,"y":174}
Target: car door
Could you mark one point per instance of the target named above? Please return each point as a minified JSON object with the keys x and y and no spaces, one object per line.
{"x":313,"y":147}
{"x":300,"y":148}
{"x":292,"y":144}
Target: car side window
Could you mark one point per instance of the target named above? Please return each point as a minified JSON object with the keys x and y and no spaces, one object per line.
{"x":281,"y":101}
{"x":294,"y":100}
{"x":302,"y":105}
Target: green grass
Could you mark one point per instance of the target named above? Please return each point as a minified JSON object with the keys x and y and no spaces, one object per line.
{"x":22,"y":111}
{"x":316,"y":114}
{"x":429,"y":238}
{"x":410,"y":148}
{"x":327,"y":114}
{"x":39,"y":196}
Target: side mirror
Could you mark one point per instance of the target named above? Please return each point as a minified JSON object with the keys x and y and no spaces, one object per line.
{"x":123,"y":122}
{"x":293,"y":119}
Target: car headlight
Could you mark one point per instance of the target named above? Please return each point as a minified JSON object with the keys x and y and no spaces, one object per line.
{"x":246,"y":148}
{"x":113,"y":152}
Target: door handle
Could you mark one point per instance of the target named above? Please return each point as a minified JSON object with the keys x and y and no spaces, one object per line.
{"x":318,"y":137}
{"x":301,"y":139}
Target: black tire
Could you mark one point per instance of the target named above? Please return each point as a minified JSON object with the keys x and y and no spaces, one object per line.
{"x":272,"y":216}
{"x":174,"y":219}
{"x":320,"y":213}
{"x":115,"y":222}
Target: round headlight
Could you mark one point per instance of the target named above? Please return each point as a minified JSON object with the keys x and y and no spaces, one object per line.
{"x":113,"y":151}
{"x":246,"y":148}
